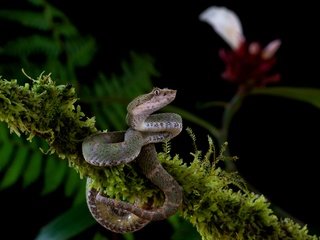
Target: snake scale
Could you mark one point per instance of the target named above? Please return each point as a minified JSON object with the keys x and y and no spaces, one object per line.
{"x":107,"y":149}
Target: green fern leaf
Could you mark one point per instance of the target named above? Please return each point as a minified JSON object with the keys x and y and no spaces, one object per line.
{"x":72,"y":183}
{"x":16,"y":164}
{"x":81,"y":50}
{"x":37,"y":2}
{"x":27,"y":162}
{"x":6,"y":148}
{"x":116,"y":119}
{"x":128,"y":236}
{"x":67,"y":225}
{"x":33,"y":169}
{"x":31,"y":19}
{"x":54,"y":174}
{"x":99,"y":236}
{"x":66,"y":29}
{"x":6,"y":152}
{"x":80,"y":194}
{"x":34,"y":44}
{"x":16,"y":168}
{"x":109,"y":96}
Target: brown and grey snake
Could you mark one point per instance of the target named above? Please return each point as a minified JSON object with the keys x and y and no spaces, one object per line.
{"x":109,"y":149}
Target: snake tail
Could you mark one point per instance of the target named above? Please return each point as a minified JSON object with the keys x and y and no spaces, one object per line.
{"x":159,"y":177}
{"x":114,"y":219}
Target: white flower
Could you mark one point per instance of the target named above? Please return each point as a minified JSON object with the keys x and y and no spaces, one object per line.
{"x":226,"y":23}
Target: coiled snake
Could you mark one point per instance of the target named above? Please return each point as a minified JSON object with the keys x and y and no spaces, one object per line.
{"x":137,"y":143}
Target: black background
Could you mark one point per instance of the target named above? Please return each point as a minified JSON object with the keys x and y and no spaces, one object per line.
{"x":276,"y":139}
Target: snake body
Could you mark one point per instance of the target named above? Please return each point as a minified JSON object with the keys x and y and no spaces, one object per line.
{"x":137,"y":143}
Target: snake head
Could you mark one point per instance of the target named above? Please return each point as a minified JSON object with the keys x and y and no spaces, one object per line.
{"x":148,"y":103}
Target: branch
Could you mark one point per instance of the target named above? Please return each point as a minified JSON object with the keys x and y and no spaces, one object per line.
{"x":215,"y":201}
{"x":49,"y":112}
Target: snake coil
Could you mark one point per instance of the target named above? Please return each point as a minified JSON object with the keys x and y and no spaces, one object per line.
{"x":109,"y":149}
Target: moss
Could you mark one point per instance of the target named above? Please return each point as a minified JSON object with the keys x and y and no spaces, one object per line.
{"x":49,"y":112}
{"x":220,"y":206}
{"x":216,"y":202}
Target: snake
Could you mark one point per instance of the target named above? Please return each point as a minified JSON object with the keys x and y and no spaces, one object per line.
{"x":137,"y":143}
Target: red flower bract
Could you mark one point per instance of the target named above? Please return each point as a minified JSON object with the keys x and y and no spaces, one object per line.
{"x":249,"y":65}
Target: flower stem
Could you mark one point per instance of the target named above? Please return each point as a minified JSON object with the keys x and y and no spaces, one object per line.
{"x":195,"y":119}
{"x":230,"y":110}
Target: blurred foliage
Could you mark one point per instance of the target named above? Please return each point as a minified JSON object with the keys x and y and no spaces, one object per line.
{"x":76,"y":219}
{"x":183,"y":229}
{"x":307,"y":95}
{"x":108,"y":97}
{"x":52,"y":43}
{"x":46,"y":39}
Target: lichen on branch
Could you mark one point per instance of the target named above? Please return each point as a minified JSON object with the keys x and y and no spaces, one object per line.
{"x":215,"y":201}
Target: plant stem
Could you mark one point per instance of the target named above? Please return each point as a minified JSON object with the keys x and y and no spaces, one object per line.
{"x":230,"y":110}
{"x":195,"y":119}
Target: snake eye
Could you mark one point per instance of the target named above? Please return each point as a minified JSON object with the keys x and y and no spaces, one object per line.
{"x":156,"y":91}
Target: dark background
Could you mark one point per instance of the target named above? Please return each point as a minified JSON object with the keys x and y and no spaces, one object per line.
{"x":276,"y":139}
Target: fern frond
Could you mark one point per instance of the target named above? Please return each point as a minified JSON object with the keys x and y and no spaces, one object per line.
{"x":14,"y":158}
{"x":66,"y":29}
{"x":21,"y":160}
{"x":6,"y":148}
{"x":35,"y":44}
{"x":57,"y":46}
{"x":110,"y":96}
{"x":16,"y":168}
{"x":33,"y":168}
{"x":71,"y":184}
{"x":37,"y":2}
{"x":50,"y":18}
{"x":81,"y":50}
{"x":54,"y":174}
{"x":26,"y":18}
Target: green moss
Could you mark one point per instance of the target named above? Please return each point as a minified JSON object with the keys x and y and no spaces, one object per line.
{"x":216,"y":202}
{"x":220,"y":206}
{"x":50,"y":112}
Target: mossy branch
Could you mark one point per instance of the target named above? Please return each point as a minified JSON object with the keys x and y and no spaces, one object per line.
{"x":215,"y":201}
{"x":47,"y":111}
